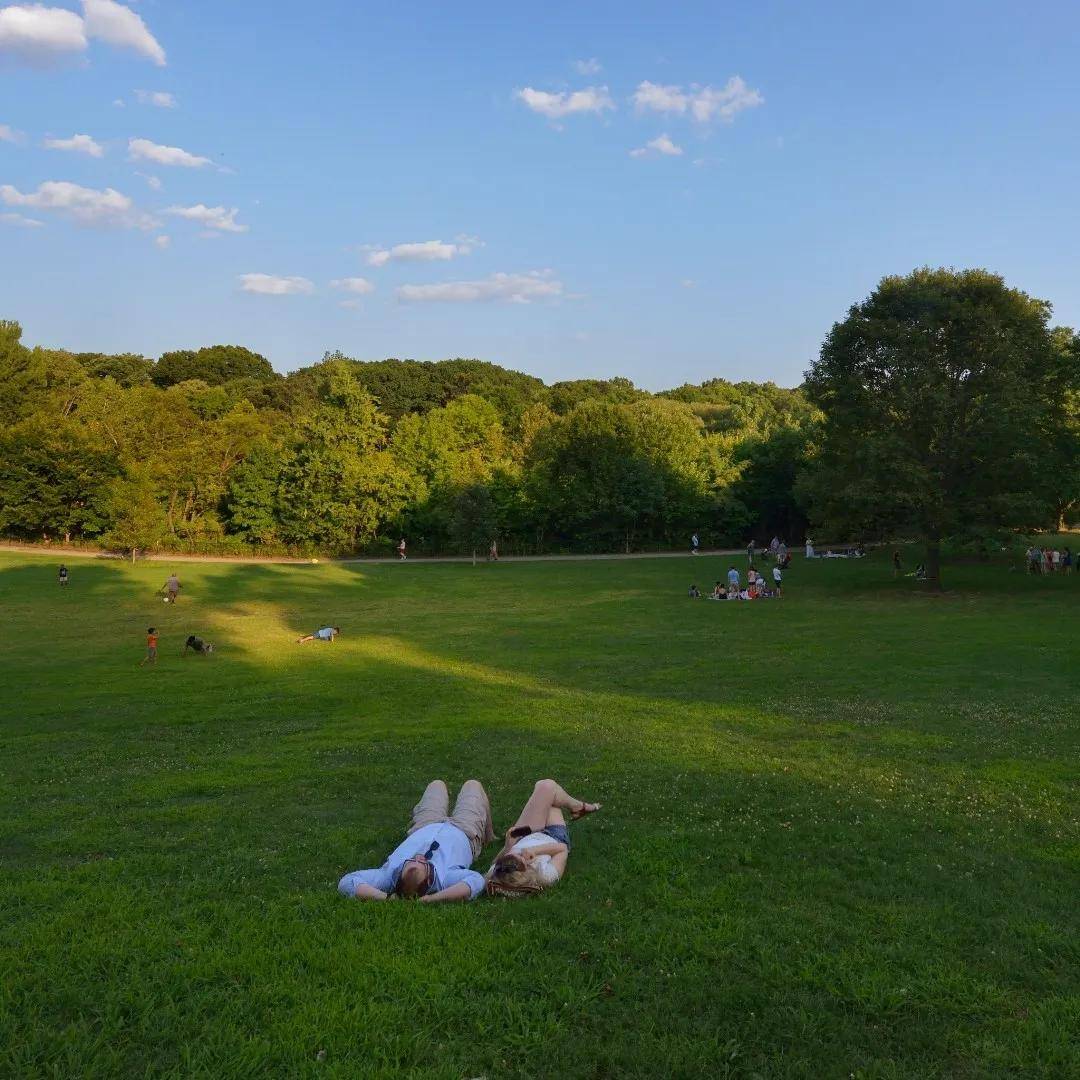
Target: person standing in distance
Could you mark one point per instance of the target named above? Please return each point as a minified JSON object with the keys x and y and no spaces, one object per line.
{"x":63,"y":574}
{"x":694,"y":544}
{"x":401,"y":549}
{"x":778,"y":581}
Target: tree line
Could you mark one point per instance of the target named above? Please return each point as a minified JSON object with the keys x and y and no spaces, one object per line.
{"x":943,"y":404}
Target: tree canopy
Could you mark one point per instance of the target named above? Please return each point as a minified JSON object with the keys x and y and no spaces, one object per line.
{"x":942,"y":399}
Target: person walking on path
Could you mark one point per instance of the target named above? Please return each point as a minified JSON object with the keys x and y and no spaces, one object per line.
{"x":433,"y":863}
{"x":750,"y":553}
{"x":694,"y":544}
{"x":896,"y":564}
{"x":493,"y":551}
{"x":401,"y":549}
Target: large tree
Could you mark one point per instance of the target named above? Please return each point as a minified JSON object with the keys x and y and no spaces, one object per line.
{"x":942,"y":394}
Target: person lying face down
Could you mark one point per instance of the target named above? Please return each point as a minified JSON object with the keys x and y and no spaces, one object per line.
{"x":433,"y":863}
{"x":534,"y":854}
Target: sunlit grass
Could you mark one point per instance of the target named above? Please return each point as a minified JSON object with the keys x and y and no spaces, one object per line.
{"x":840,"y":830}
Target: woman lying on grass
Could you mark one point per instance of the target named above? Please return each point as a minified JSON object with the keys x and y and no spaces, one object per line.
{"x":536,"y":848}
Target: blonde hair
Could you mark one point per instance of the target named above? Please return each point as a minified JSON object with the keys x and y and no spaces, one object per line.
{"x":512,"y":877}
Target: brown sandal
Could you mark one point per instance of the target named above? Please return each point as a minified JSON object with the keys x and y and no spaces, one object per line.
{"x":586,"y":808}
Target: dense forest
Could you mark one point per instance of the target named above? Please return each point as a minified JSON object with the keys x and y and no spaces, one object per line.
{"x":212,"y":450}
{"x":943,"y":405}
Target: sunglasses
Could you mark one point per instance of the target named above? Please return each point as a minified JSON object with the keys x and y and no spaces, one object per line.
{"x":430,"y":882}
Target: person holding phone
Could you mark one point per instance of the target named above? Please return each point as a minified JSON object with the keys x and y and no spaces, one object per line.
{"x":534,"y":854}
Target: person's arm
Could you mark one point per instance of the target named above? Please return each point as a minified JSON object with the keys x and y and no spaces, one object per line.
{"x":460,"y":891}
{"x":553,"y":849}
{"x":459,"y":883}
{"x":374,"y":884}
{"x":369,"y":892}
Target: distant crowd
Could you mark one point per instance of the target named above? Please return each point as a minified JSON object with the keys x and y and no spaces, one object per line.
{"x":1049,"y":560}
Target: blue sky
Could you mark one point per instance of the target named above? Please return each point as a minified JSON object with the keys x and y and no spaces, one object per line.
{"x":799,"y":152}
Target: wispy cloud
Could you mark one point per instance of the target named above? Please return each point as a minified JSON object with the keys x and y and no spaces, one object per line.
{"x":214,"y":218}
{"x":117,"y":25}
{"x":272,"y":285}
{"x":79,"y":144}
{"x":21,"y":221}
{"x":703,"y":103}
{"x":162,"y":242}
{"x":85,"y":206}
{"x":145,"y":150}
{"x":661,"y":145}
{"x":555,"y":106}
{"x":160,"y":99}
{"x":10,"y":135}
{"x":508,"y":288}
{"x":423,"y":251}
{"x":357,"y":285}
{"x":588,"y":67}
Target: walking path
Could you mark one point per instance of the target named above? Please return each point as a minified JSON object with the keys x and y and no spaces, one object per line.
{"x":82,"y":553}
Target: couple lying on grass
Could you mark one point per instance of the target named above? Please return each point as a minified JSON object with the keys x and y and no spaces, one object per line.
{"x":433,"y":863}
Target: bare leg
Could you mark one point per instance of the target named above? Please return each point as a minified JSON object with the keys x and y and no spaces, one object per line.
{"x":546,"y":804}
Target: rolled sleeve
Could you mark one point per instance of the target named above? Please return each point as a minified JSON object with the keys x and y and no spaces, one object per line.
{"x":379,"y":878}
{"x":456,"y":874}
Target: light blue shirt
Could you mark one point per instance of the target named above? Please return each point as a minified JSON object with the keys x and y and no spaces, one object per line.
{"x":733,"y":577}
{"x":451,"y":862}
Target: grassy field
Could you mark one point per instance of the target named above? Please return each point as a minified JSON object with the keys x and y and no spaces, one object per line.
{"x":839,"y":835}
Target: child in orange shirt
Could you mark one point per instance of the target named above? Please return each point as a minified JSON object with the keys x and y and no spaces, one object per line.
{"x":151,"y":647}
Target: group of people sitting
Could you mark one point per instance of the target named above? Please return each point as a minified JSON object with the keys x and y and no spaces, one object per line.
{"x":757,"y":588}
{"x":1049,"y":560}
{"x":433,"y":864}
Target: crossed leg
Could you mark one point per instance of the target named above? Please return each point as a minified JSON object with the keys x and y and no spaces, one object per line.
{"x":547,"y":803}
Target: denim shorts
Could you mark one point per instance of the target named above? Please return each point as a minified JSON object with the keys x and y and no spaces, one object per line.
{"x":559,"y":833}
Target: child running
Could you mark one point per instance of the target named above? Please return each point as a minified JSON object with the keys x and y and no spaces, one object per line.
{"x":151,"y":648}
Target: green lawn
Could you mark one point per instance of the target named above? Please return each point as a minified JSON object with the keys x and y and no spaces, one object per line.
{"x":839,"y":834}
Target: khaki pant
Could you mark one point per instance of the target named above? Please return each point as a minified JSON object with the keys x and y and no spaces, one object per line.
{"x":472,"y":812}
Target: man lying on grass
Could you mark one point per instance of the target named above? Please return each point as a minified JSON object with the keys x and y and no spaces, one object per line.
{"x":324,"y":633}
{"x":197,"y":646}
{"x":432,"y":864}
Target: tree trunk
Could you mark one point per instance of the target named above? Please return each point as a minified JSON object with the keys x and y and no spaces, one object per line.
{"x":933,"y":563}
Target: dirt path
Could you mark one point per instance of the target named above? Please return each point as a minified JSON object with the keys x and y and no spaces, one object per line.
{"x":82,"y":553}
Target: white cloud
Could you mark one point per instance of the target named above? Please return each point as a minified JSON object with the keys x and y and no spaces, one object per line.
{"x":162,"y":242}
{"x":215,"y":218}
{"x":703,"y":103}
{"x":271,"y":285}
{"x":152,"y":182}
{"x":357,"y":285}
{"x":510,"y":288}
{"x":662,"y":145}
{"x":37,"y":34}
{"x":651,"y":96}
{"x":85,"y":206}
{"x":145,"y":150}
{"x":158,"y":98}
{"x":423,"y":251}
{"x":79,"y":144}
{"x":10,"y":134}
{"x":111,"y":22}
{"x":588,"y":67}
{"x":688,"y":283}
{"x":21,"y":221}
{"x":593,"y":99}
